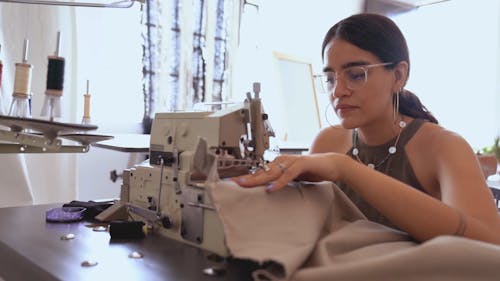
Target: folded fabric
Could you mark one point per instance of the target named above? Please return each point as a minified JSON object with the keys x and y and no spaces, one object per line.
{"x":282,"y":227}
{"x":314,"y":232}
{"x":64,"y":214}
{"x":444,"y":258}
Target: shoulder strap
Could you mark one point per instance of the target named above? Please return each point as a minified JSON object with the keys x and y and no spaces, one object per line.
{"x":410,"y":131}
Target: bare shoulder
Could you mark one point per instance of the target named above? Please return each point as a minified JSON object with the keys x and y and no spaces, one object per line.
{"x":440,"y":156}
{"x":435,"y":138}
{"x":434,"y":148}
{"x":452,"y":162}
{"x":332,"y":139}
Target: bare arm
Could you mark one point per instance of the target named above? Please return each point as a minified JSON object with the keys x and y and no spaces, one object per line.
{"x":331,"y":139}
{"x":421,"y":215}
{"x":465,"y":195}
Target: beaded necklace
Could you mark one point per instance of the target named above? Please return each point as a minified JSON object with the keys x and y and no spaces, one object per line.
{"x":392,"y":149}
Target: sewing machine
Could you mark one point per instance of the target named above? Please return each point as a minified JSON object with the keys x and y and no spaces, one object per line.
{"x":169,"y":192}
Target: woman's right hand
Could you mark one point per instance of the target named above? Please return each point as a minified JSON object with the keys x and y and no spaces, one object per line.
{"x":286,"y":168}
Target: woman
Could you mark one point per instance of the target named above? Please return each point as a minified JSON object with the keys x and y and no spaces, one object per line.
{"x":388,"y":154}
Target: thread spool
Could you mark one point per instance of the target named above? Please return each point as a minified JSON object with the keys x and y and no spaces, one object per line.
{"x":55,"y":80}
{"x":20,"y":106}
{"x":86,"y":106}
{"x":55,"y":76}
{"x":22,"y":80}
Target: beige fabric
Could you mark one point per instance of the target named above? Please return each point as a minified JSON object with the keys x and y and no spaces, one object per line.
{"x":283,"y":227}
{"x":321,"y":235}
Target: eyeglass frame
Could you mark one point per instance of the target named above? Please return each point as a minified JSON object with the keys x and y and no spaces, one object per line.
{"x":365,"y":68}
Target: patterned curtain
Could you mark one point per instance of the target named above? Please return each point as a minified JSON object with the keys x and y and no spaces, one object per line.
{"x":220,"y":55}
{"x":149,"y":60}
{"x":186,"y":54}
{"x":199,"y":43}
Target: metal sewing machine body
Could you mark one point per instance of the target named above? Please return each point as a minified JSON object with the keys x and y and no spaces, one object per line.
{"x":169,"y":190}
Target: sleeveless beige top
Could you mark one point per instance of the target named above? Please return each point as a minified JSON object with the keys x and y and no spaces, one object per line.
{"x":396,"y":166}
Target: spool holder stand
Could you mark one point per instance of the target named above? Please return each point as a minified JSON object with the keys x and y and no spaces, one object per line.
{"x":29,"y":135}
{"x":20,"y":107}
{"x":51,"y":106}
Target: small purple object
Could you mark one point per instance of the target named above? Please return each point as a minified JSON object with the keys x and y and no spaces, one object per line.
{"x":65,"y":214}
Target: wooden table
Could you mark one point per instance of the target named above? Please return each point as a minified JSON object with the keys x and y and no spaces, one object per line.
{"x":32,"y":249}
{"x":126,"y":143}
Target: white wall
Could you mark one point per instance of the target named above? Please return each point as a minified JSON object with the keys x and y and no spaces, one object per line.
{"x":109,"y":53}
{"x":294,"y":33}
{"x":104,"y":46}
{"x":454,"y":65}
{"x":100,"y":45}
{"x":292,"y":27}
{"x":45,"y":178}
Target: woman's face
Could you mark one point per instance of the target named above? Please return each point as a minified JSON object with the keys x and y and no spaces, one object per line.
{"x":370,"y":103}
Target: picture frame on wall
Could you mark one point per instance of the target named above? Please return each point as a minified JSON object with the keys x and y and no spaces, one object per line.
{"x":300,"y":117}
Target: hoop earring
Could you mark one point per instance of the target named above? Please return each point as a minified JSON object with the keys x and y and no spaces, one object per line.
{"x":396,"y":105}
{"x":326,"y":113}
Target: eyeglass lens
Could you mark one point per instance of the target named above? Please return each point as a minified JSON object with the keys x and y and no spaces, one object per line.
{"x":353,"y":77}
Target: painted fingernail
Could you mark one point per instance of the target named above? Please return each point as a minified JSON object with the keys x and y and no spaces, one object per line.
{"x":269,"y":187}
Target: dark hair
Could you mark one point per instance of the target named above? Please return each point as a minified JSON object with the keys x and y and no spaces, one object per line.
{"x":380,"y":36}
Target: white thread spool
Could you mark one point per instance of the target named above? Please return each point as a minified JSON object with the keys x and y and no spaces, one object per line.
{"x":22,"y":81}
{"x":86,"y":106}
{"x":20,"y":106}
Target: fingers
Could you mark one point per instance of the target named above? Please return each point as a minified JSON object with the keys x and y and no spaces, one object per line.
{"x":260,"y":177}
{"x":285,"y":177}
{"x":276,"y":177}
{"x":256,"y":173}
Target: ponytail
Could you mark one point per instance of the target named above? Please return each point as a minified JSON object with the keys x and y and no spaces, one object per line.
{"x":410,"y":105}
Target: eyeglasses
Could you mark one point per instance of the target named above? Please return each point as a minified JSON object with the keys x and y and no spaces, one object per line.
{"x":354,"y":77}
